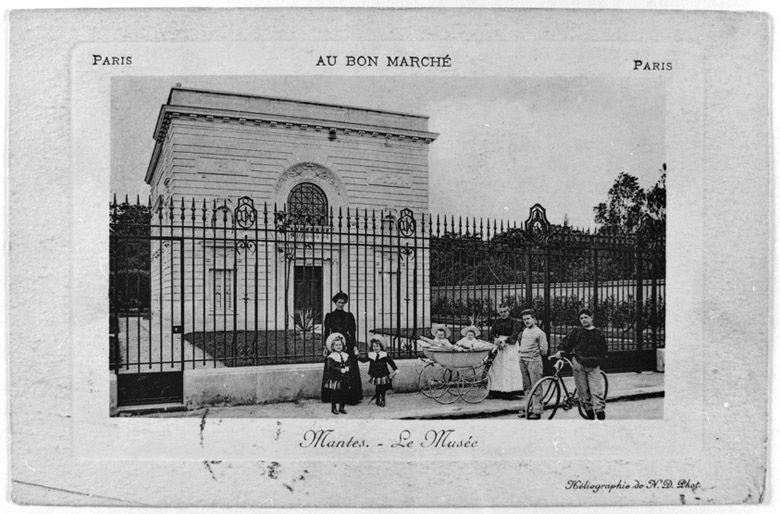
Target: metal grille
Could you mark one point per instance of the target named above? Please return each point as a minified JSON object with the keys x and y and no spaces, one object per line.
{"x":197,"y":284}
{"x":307,"y":204}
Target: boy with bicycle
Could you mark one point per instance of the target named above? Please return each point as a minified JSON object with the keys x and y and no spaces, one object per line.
{"x":587,"y":348}
{"x":533,"y":344}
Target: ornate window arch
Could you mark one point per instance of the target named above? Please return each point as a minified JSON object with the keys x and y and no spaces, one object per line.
{"x":307,"y":204}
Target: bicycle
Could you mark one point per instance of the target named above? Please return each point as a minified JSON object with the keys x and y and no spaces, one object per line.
{"x":551,"y":387}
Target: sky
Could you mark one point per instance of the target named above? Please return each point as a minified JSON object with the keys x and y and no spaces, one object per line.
{"x":505,"y":143}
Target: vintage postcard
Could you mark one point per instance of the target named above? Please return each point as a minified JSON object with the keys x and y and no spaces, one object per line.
{"x":302,"y":257}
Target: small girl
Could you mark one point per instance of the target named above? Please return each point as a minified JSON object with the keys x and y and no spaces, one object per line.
{"x":381,"y":377}
{"x":336,"y":368}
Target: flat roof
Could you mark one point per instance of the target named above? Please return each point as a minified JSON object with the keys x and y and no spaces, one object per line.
{"x":176,"y":89}
{"x":241,"y":106}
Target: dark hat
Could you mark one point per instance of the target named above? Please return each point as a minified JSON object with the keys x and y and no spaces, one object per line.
{"x":376,"y":339}
{"x":341,"y":295}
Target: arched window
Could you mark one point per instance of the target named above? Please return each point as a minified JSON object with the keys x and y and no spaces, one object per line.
{"x":308,"y":205}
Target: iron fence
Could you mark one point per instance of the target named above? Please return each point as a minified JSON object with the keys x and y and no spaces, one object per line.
{"x":197,"y":283}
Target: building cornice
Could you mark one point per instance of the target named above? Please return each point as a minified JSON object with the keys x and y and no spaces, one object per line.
{"x":170,"y":112}
{"x":330,"y":128}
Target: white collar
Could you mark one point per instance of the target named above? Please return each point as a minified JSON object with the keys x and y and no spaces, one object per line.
{"x":376,"y":356}
{"x":336,"y":356}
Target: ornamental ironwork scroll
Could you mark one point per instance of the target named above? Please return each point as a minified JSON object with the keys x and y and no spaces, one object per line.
{"x":285,"y":220}
{"x":650,"y":233}
{"x":245,"y":214}
{"x":246,"y":244}
{"x":537,"y":228}
{"x":407,"y":225}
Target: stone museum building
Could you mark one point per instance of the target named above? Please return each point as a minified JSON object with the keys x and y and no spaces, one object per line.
{"x":265,"y":207}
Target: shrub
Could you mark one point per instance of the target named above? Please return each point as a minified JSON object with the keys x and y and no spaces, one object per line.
{"x":305,"y":320}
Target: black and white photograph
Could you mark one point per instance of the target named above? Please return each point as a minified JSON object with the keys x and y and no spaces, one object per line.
{"x":389,"y":257}
{"x":433,"y":250}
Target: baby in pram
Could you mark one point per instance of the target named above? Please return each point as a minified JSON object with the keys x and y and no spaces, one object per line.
{"x":441,"y":340}
{"x":469,"y":340}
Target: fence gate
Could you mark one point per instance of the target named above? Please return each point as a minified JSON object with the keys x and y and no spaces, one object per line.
{"x":555,"y":270}
{"x":146,"y":323}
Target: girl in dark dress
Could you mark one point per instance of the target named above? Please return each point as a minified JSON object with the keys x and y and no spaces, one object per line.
{"x":343,"y":322}
{"x":336,"y":368}
{"x":381,"y":377}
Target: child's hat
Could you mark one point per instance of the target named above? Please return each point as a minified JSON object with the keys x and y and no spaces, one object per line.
{"x":333,"y":337}
{"x":378,"y":339}
{"x":470,"y":328}
{"x":436,"y":327}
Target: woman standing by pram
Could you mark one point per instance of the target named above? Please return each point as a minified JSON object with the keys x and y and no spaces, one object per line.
{"x":506,"y":379}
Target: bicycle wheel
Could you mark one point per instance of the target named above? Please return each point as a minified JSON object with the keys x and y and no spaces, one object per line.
{"x":550,"y":392}
{"x":547,"y":395}
{"x":580,"y":408}
{"x":474,"y":386}
{"x":430,"y":379}
{"x":445,"y":390}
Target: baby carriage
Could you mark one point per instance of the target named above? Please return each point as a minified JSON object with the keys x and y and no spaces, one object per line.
{"x":449,"y":375}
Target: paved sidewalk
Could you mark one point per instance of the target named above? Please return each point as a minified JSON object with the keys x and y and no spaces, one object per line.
{"x":622,"y":386}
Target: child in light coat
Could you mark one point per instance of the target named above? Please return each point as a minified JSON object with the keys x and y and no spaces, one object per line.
{"x":336,"y":367}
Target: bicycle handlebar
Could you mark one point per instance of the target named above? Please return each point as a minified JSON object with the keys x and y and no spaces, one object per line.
{"x":560,"y":362}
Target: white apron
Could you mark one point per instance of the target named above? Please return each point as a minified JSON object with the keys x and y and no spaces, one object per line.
{"x":505,"y":375}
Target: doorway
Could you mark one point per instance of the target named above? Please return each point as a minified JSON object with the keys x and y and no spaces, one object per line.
{"x":308,"y":291}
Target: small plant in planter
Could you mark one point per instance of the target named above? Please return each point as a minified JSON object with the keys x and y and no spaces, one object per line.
{"x":306,"y":321}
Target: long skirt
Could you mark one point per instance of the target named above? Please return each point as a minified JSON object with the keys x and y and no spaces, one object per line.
{"x":505,"y":375}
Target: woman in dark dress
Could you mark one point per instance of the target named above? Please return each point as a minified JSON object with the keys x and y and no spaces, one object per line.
{"x":343,"y":322}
